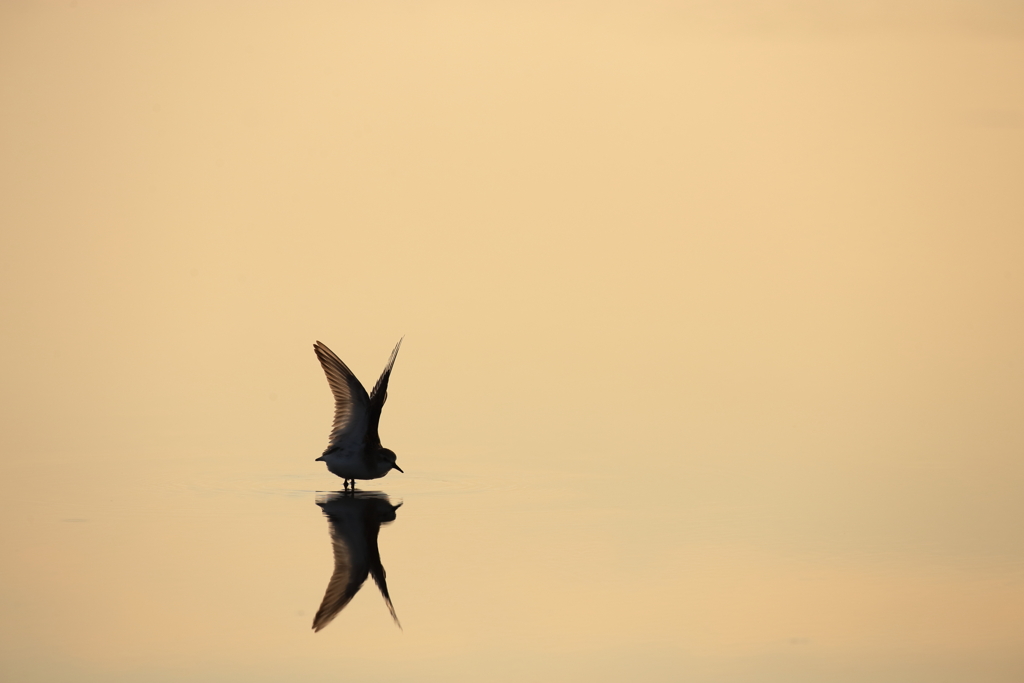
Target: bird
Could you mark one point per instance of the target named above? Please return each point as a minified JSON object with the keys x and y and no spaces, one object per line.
{"x":355,"y":451}
{"x":355,"y":518}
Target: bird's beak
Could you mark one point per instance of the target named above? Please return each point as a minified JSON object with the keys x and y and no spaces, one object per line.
{"x":395,"y":465}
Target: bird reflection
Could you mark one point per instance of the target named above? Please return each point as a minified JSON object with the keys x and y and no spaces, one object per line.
{"x":355,"y":519}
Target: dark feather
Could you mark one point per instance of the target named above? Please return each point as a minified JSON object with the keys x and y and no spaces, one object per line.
{"x":351,"y":404}
{"x":377,"y":398}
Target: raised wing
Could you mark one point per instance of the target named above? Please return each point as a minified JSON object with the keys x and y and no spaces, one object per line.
{"x":345,"y":582}
{"x":351,"y":404}
{"x":377,"y":398}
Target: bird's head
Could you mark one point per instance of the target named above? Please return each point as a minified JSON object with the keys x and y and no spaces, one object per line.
{"x":387,"y":455}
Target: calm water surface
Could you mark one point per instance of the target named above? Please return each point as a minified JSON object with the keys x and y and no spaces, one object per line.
{"x":210,"y":569}
{"x":712,"y":369}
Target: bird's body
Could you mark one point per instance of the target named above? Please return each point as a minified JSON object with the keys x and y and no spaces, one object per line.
{"x":353,"y":464}
{"x":355,"y":451}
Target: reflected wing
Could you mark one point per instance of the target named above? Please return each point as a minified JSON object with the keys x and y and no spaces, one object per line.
{"x":377,"y":398}
{"x":379,"y":575}
{"x":344,"y":583}
{"x":351,"y":404}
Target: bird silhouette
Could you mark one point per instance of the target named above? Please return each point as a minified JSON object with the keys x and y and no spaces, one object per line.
{"x":355,"y":518}
{"x":355,"y":451}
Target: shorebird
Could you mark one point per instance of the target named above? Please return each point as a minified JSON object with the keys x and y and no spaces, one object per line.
{"x":355,"y":520}
{"x":355,"y":451}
